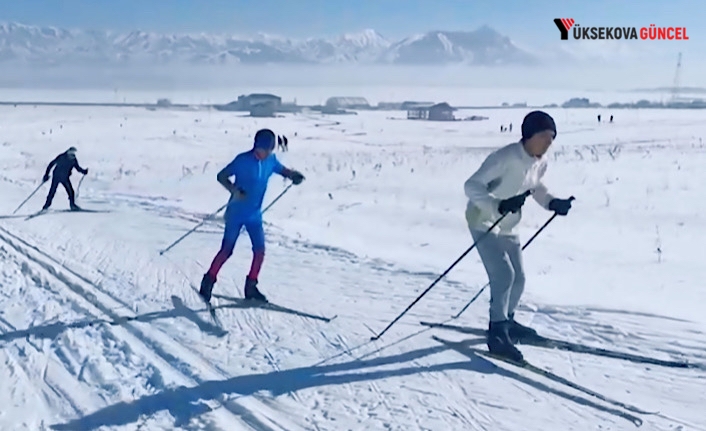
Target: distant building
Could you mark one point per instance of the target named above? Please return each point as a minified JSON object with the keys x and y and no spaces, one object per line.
{"x":418,"y":111}
{"x":408,"y":104}
{"x":579,"y":102}
{"x":441,"y":112}
{"x":263,"y":109}
{"x":247,"y":101}
{"x":437,"y":112}
{"x":335,"y":103}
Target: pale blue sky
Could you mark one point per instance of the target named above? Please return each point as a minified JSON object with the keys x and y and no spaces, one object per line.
{"x":529,"y":21}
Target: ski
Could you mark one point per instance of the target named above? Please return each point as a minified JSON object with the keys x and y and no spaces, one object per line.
{"x":38,"y":213}
{"x":550,"y":343}
{"x":246,"y":303}
{"x":211,"y":328}
{"x":561,"y":380}
{"x":212,"y":312}
{"x":49,"y":211}
{"x":209,"y":307}
{"x":84,"y":210}
{"x":551,"y":376}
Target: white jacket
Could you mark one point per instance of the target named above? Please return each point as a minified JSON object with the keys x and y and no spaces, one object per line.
{"x":506,"y":172}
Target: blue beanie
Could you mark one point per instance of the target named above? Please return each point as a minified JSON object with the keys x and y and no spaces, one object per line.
{"x":265,"y":139}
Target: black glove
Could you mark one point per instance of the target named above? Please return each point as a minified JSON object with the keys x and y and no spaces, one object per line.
{"x":296,"y":177}
{"x":561,"y":206}
{"x":46,"y":178}
{"x":85,"y":171}
{"x":237,"y":194}
{"x":512,"y":204}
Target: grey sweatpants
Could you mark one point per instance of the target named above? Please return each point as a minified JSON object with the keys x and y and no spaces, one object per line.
{"x":502,"y":257}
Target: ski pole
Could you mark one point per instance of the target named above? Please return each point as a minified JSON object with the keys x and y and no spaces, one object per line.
{"x":29,"y":197}
{"x":277,"y":198}
{"x":440,"y":277}
{"x":523,"y":247}
{"x":78,"y":187}
{"x":209,"y":217}
{"x":273,"y":201}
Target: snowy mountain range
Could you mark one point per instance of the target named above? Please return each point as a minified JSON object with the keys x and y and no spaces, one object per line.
{"x":45,"y":46}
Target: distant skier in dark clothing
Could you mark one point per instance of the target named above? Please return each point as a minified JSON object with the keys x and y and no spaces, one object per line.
{"x":282,"y":143}
{"x":63,"y":164}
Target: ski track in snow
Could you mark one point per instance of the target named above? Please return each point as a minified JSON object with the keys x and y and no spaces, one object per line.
{"x":186,"y":367}
{"x":100,"y":332}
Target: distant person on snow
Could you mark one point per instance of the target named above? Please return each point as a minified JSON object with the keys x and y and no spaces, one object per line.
{"x":282,"y":143}
{"x":497,"y":188}
{"x":252,"y":170}
{"x":63,"y":164}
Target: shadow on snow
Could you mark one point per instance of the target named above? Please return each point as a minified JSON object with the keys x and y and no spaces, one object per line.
{"x":184,"y":403}
{"x":53,"y":330}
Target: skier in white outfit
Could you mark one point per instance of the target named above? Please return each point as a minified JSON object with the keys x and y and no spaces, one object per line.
{"x":498,"y":187}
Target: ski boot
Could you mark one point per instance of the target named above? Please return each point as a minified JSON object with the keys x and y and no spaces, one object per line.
{"x":75,"y":207}
{"x":251,"y":291}
{"x":207,"y":283}
{"x":500,"y":343}
{"x":520,"y":332}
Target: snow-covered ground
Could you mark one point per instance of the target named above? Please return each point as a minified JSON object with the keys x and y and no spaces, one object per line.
{"x":99,"y":331}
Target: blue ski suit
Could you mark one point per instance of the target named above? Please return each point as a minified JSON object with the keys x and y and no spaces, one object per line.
{"x":251,"y":177}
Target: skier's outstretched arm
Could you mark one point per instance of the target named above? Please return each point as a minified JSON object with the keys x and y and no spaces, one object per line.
{"x":547,"y":200}
{"x":542,"y":195}
{"x":51,"y":165}
{"x":291,"y":174}
{"x":79,"y":168}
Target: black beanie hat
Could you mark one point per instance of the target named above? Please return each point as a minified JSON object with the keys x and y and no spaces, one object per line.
{"x":535,"y":122}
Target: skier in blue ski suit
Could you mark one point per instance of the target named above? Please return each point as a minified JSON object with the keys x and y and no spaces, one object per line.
{"x":252,"y":170}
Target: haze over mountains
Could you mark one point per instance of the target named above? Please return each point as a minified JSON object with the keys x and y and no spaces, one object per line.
{"x":53,"y":46}
{"x":52,"y":57}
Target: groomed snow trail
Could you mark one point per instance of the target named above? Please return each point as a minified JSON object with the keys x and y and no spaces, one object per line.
{"x":100,"y":332}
